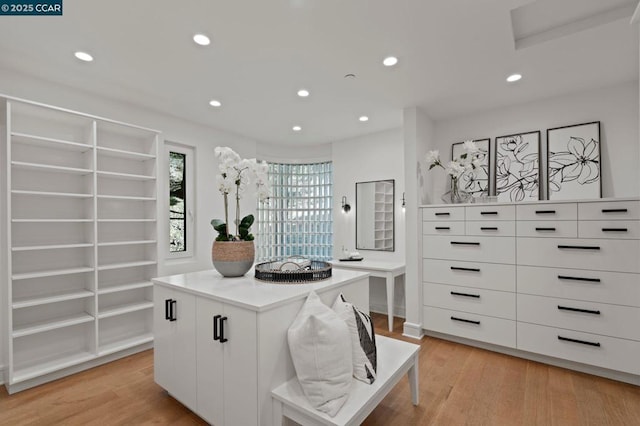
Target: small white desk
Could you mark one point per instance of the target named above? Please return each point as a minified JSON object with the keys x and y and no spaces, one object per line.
{"x":378,"y":268}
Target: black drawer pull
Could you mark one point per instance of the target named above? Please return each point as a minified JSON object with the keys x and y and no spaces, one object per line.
{"x":614,"y":230}
{"x":545,"y":212}
{"x":546,"y":229}
{"x":582,"y":342}
{"x":465,"y":320}
{"x":567,"y":277}
{"x":442,"y":228}
{"x":458,"y":268}
{"x":488,"y":228}
{"x":584,"y":311}
{"x":614,"y":210}
{"x":174,"y":310}
{"x":489,"y":213}
{"x":216,"y":329}
{"x":463,"y":243}
{"x":443,"y":214}
{"x":167,"y":309}
{"x":222,"y":338}
{"x":455,"y":293}
{"x":579,"y":247}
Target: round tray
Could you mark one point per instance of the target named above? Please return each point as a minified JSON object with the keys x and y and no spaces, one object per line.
{"x":316,"y":270}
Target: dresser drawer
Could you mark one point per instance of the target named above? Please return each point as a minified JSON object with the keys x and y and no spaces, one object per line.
{"x":600,"y":255}
{"x":545,"y":228}
{"x":443,"y":213}
{"x":588,"y":317}
{"x":560,"y":211}
{"x":470,"y":326}
{"x":491,"y":228}
{"x":470,"y":248}
{"x":490,"y":212}
{"x":602,"y":351}
{"x":499,"y":304}
{"x":596,"y":286}
{"x":621,"y":229}
{"x":609,"y":210}
{"x":492,"y":276}
{"x":442,"y":228}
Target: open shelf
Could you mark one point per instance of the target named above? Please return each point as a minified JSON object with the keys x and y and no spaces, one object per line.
{"x":51,"y":273}
{"x":51,"y":247}
{"x":127,"y":176}
{"x":124,"y":287}
{"x":126,"y":265}
{"x":51,"y":220}
{"x":50,"y":168}
{"x":120,"y":345}
{"x":42,"y":326}
{"x":51,"y":194}
{"x":112,"y":311}
{"x":48,"y":142}
{"x":125,"y":220}
{"x":51,"y":298}
{"x":119,"y":153}
{"x":126,"y":197}
{"x":126,"y":243}
{"x":55,"y":363}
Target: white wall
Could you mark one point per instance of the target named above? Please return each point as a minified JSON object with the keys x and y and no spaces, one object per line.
{"x":616,"y":108}
{"x":378,"y":156}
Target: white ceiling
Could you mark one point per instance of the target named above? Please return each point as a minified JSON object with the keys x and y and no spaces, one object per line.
{"x":454,"y":57}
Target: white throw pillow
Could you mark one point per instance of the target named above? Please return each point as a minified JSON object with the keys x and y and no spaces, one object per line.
{"x":320,"y":347}
{"x":363,"y":340}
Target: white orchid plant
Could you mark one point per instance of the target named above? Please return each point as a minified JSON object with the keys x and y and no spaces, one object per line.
{"x":235,"y":175}
{"x":469,"y":160}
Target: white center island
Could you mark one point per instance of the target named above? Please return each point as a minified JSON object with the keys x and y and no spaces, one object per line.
{"x":220,"y":343}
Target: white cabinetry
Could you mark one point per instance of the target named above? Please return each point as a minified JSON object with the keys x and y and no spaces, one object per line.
{"x":383,"y":215}
{"x":240,"y":351}
{"x":80,"y":240}
{"x":572,"y":270}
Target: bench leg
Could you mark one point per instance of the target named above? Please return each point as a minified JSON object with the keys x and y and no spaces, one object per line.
{"x":413,"y":380}
{"x":278,"y":418}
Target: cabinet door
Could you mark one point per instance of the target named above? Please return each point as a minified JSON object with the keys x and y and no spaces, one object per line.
{"x":209,"y":360}
{"x":162,"y":338}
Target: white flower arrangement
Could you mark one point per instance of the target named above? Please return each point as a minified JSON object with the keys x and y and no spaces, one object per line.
{"x":235,"y":174}
{"x":467,"y":161}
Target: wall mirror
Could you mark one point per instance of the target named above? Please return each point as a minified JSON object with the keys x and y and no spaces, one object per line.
{"x":375,"y":215}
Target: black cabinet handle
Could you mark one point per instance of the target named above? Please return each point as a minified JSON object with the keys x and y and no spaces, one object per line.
{"x":584,"y":311}
{"x":545,"y":212}
{"x":216,"y":331}
{"x":463,"y":243}
{"x":465,"y":320}
{"x":489,"y":213}
{"x":567,"y":277}
{"x":582,"y":342}
{"x":222,"y":338}
{"x":455,"y":293}
{"x":614,"y":210}
{"x":443,"y":214}
{"x":167,"y":308}
{"x":614,"y":229}
{"x":488,"y":228}
{"x":458,"y":268}
{"x":442,"y":228}
{"x":546,"y":229}
{"x":560,"y":246}
{"x":174,"y":310}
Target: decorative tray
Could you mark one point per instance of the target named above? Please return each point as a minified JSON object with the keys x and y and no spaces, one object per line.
{"x":294,"y":270}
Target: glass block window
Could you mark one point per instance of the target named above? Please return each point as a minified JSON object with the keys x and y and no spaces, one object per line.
{"x":177,"y":202}
{"x":298,"y":218}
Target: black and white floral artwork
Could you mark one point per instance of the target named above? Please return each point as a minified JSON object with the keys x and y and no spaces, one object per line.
{"x":573,"y":154}
{"x":476,"y":181}
{"x":517,"y":164}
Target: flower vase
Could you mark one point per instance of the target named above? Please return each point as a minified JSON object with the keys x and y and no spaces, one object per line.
{"x":456,"y":195}
{"x":232,"y":258}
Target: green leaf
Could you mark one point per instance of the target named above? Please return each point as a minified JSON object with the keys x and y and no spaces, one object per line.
{"x":219,"y":226}
{"x":432,"y":166}
{"x":247,"y":221}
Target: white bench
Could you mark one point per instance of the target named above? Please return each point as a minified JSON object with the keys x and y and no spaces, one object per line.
{"x":395,"y":358}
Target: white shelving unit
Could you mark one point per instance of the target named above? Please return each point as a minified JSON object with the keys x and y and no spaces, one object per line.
{"x":79,"y":216}
{"x":383,"y":216}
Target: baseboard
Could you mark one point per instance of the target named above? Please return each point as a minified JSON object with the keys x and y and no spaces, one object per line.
{"x":544,"y":359}
{"x":398,"y":311}
{"x":412,"y":330}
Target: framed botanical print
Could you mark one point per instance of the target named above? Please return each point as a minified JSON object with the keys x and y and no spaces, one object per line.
{"x":476,"y":181}
{"x":573,"y":158}
{"x":517,"y":167}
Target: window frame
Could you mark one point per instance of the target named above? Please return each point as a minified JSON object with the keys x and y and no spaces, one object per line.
{"x":190,"y":244}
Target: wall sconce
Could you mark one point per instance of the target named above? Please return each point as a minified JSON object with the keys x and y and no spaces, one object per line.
{"x":404,"y":203}
{"x":345,"y":205}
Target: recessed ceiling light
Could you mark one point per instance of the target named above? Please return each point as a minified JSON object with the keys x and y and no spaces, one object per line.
{"x":513,"y":78}
{"x":390,"y":61}
{"x":296,"y":128}
{"x":303,"y":93}
{"x":363,"y":118}
{"x":201,"y":39}
{"x":215,"y":103}
{"x":83,"y":56}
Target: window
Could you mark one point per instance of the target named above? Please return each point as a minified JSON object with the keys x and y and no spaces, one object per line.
{"x":180,"y":200}
{"x":298,"y":218}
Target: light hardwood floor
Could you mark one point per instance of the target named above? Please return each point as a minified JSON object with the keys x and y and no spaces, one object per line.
{"x":459,"y":385}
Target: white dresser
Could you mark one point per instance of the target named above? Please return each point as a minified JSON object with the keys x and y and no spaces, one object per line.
{"x":560,"y":280}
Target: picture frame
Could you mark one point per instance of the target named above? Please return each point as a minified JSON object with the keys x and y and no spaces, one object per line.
{"x":475,"y":182}
{"x":573,"y":162}
{"x":517,"y":167}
